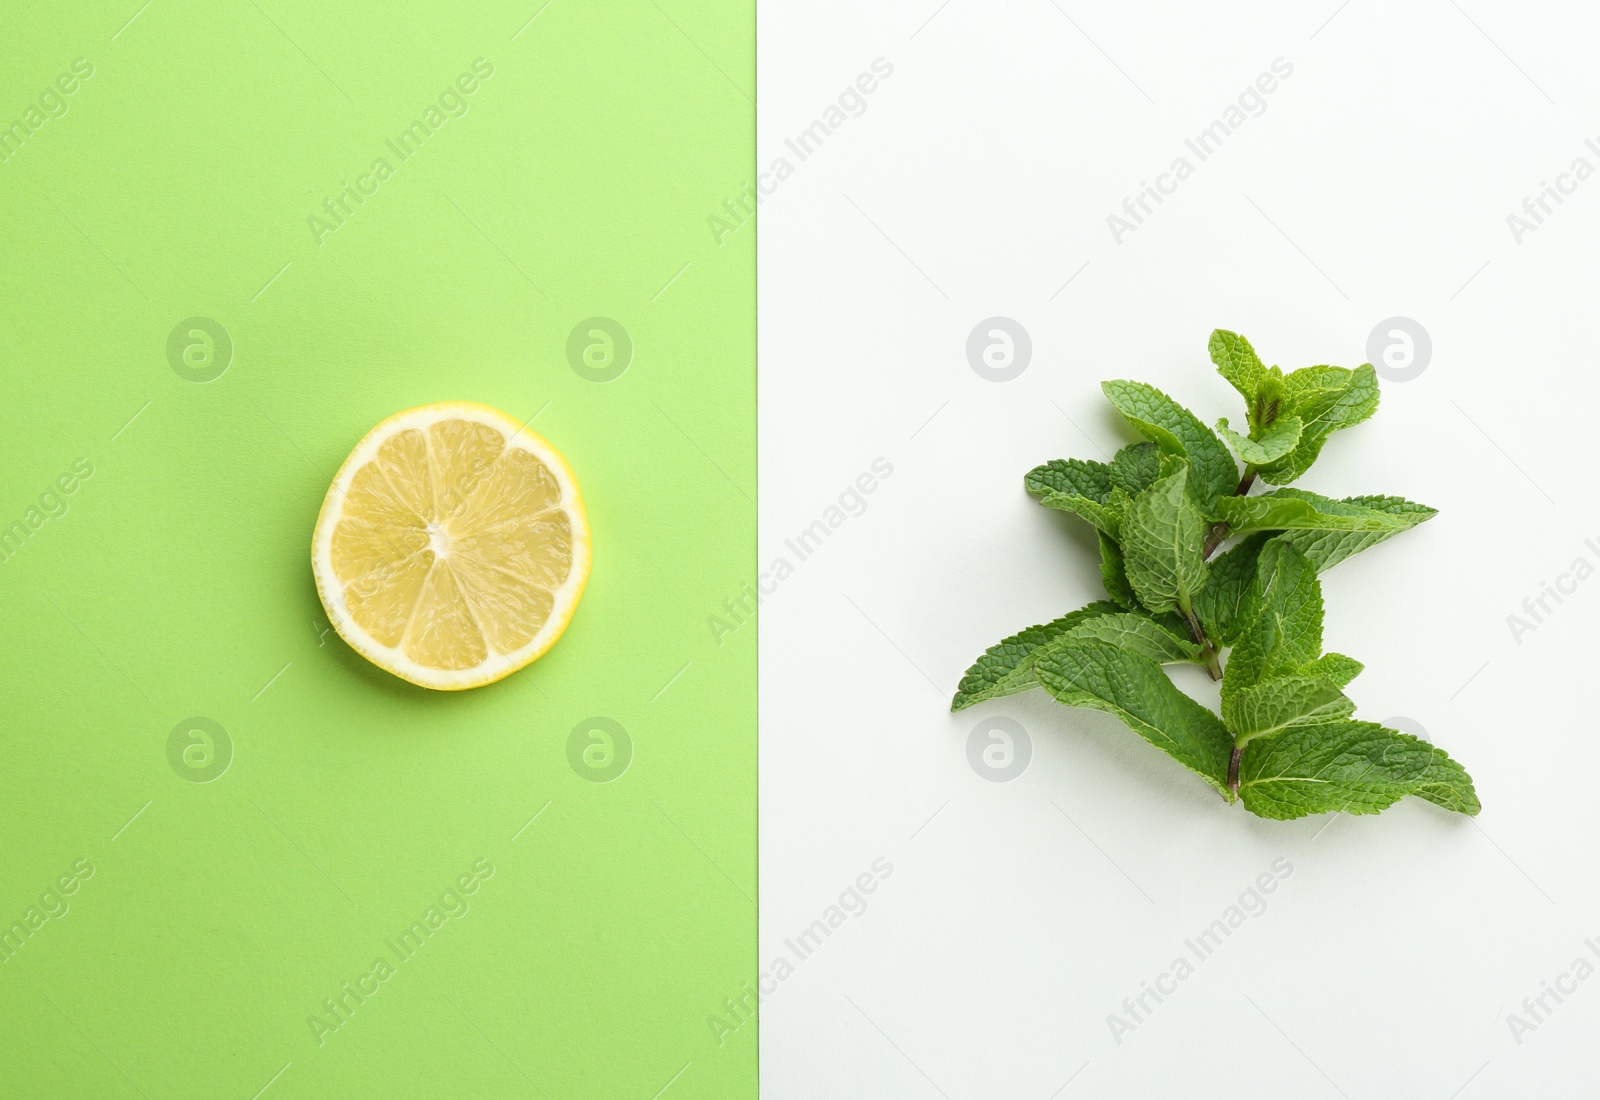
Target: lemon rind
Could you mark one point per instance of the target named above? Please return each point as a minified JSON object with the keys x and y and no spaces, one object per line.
{"x":391,"y":659}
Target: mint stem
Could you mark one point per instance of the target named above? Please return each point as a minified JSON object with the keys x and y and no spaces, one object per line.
{"x":1208,"y":652}
{"x":1214,"y":539}
{"x":1219,"y":531}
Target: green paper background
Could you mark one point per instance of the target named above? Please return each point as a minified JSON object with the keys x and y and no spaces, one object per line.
{"x":179,"y":184}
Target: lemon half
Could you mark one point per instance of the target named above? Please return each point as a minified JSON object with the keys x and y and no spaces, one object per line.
{"x":452,"y":547}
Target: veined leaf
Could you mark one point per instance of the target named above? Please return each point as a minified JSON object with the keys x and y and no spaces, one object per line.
{"x":1163,"y":539}
{"x":1308,"y":385}
{"x":1106,"y":517}
{"x":1296,"y":510}
{"x":1282,"y":703}
{"x":1286,"y":629}
{"x":1221,"y":602}
{"x":1325,"y":399}
{"x":1102,"y":677}
{"x":1276,"y":442}
{"x":1135,"y":466}
{"x":1178,"y":431}
{"x":1114,"y":574}
{"x":1261,"y":386}
{"x":1325,"y":549}
{"x":1134,"y":633}
{"x":1336,"y":668}
{"x":1007,"y":667}
{"x":1326,"y":531}
{"x":1354,"y":767}
{"x":1268,"y":405}
{"x":1070,"y":475}
{"x":1238,"y":362}
{"x":983,"y":680}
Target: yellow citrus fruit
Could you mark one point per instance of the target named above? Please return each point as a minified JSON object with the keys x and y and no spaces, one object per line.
{"x":452,"y":546}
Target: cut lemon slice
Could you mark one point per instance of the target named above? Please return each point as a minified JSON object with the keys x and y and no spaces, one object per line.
{"x":452,"y":546}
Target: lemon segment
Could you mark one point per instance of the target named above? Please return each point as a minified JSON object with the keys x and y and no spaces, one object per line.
{"x":452,"y":547}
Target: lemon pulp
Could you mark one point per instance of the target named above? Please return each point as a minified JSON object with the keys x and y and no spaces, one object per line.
{"x":452,"y":547}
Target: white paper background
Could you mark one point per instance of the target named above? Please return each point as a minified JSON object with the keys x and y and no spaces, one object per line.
{"x":1018,"y":915}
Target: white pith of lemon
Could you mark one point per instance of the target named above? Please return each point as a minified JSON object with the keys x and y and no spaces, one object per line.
{"x":452,"y":547}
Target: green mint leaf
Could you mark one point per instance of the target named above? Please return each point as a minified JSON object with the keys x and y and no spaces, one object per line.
{"x":1163,"y":538}
{"x":1325,"y":399}
{"x":1133,"y":632}
{"x":1296,"y":509}
{"x":1268,"y":405}
{"x":1106,"y":517}
{"x":1101,"y":517}
{"x":1114,"y":574}
{"x":984,"y":679}
{"x":1274,"y":443}
{"x":1328,"y":548}
{"x":1134,"y":689}
{"x":1310,"y":384}
{"x":1221,"y":603}
{"x":1135,"y":466}
{"x":1282,"y":703}
{"x":1177,"y":431}
{"x":1336,"y":668}
{"x":1354,"y":767}
{"x":1286,"y":742}
{"x":1398,"y":506}
{"x":1073,"y":476}
{"x":1261,"y":386}
{"x":1238,"y":362}
{"x":1326,"y":531}
{"x":1286,"y":628}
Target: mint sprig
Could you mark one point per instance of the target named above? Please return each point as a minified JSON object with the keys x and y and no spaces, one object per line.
{"x":1198,"y":567}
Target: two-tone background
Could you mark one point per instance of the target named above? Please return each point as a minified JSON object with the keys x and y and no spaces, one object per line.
{"x":236,"y":236}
